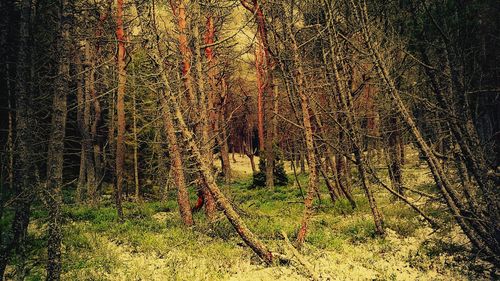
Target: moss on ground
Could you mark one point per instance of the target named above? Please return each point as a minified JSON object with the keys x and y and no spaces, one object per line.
{"x":152,"y":243}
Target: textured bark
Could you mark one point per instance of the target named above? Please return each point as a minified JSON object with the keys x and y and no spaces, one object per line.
{"x":250,"y":239}
{"x":206,"y":139}
{"x":176,"y":165}
{"x":85,"y":127}
{"x":344,"y":95}
{"x":52,"y":194}
{"x":478,"y":235}
{"x":80,"y":97}
{"x":265,"y":98}
{"x":136,"y":147}
{"x":24,"y":127}
{"x":308,"y":135}
{"x":179,"y":7}
{"x":152,"y":45}
{"x":217,"y":102}
{"x":120,"y":109}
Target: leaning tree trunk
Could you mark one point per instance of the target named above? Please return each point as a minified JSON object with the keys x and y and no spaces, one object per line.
{"x":344,"y":95}
{"x":480,"y":236}
{"x":151,"y":43}
{"x":250,"y":239}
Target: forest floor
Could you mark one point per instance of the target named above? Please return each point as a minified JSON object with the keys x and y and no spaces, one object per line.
{"x":152,"y":243}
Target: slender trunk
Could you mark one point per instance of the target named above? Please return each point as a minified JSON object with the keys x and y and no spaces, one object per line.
{"x":24,"y":128}
{"x":471,"y":229}
{"x":224,"y":147}
{"x":351,"y":132}
{"x":206,"y":140}
{"x":176,"y":165}
{"x":136,"y":146}
{"x":152,"y":45}
{"x":394,"y":152}
{"x":308,"y":135}
{"x":85,"y":128}
{"x":80,"y":96}
{"x":120,"y":109}
{"x":53,"y":191}
{"x":264,"y":70}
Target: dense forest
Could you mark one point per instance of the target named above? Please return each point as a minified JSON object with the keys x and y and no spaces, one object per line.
{"x":249,"y":140}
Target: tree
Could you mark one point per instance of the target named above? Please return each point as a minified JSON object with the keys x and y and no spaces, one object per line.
{"x":120,"y":108}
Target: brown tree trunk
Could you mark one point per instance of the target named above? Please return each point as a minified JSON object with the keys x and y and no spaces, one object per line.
{"x":308,"y":135}
{"x":152,"y":45}
{"x":477,"y":234}
{"x":394,"y":153}
{"x":176,"y":165}
{"x":85,"y":127}
{"x":24,"y":127}
{"x":352,"y":134}
{"x":250,"y":239}
{"x":52,"y":194}
{"x":120,"y":109}
{"x":265,"y":99}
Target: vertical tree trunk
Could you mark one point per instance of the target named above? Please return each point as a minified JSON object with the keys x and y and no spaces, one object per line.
{"x":210,"y":208}
{"x":80,"y":96}
{"x":53,"y":191}
{"x":264,"y":69}
{"x":120,"y":108}
{"x":308,"y":135}
{"x":222,"y":136}
{"x":394,"y":153}
{"x":136,"y":146}
{"x":85,"y":127}
{"x":24,"y":128}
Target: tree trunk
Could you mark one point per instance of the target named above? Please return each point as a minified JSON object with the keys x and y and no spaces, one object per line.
{"x":352,"y":134}
{"x":308,"y":135}
{"x":250,"y":239}
{"x":24,"y":127}
{"x":53,"y":191}
{"x":152,"y":45}
{"x":120,"y":109}
{"x":394,"y":153}
{"x":478,"y":235}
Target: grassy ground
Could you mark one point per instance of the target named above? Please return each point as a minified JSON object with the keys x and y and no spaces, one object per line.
{"x":152,"y":244}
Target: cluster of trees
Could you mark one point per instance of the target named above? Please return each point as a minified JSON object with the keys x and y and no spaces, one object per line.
{"x":132,"y":94}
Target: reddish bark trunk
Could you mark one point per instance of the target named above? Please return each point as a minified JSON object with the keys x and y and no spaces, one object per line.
{"x":120,"y":108}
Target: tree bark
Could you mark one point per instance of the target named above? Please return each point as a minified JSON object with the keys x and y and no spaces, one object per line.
{"x":151,"y":43}
{"x":24,"y":127}
{"x":120,"y":109}
{"x":53,"y":191}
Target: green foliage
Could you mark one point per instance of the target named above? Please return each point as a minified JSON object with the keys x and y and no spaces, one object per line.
{"x":280,"y":177}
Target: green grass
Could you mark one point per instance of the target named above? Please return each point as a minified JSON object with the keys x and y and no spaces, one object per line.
{"x":152,"y":240}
